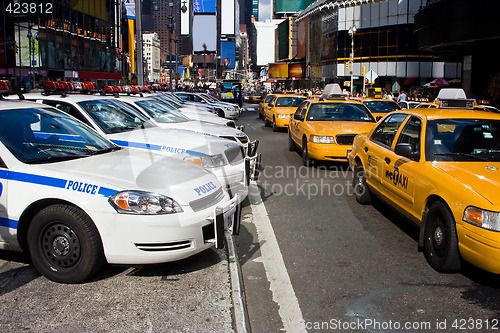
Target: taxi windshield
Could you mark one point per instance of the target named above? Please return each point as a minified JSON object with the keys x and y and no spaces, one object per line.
{"x":463,"y":140}
{"x":289,"y":101}
{"x":44,"y":135}
{"x":114,"y":116}
{"x":381,"y":106}
{"x":160,"y":112}
{"x":338,"y":112}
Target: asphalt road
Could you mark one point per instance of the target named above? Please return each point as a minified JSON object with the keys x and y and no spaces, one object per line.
{"x":351,"y":268}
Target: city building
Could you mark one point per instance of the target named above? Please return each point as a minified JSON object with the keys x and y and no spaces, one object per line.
{"x":151,"y":52}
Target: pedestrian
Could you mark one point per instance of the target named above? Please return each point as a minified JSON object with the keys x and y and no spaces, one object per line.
{"x":239,"y":98}
{"x":402,"y":96}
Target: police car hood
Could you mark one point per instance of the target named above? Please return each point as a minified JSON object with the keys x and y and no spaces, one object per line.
{"x":204,"y":127}
{"x":340,"y":127}
{"x":172,"y":141}
{"x":205,"y":116}
{"x":481,"y":177}
{"x":131,"y":169}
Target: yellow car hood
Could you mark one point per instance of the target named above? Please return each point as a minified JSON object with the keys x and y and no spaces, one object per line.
{"x":481,"y":177}
{"x":340,"y":127}
{"x":286,"y":109}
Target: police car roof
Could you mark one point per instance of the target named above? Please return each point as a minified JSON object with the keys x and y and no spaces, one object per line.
{"x":9,"y":104}
{"x":68,"y":97}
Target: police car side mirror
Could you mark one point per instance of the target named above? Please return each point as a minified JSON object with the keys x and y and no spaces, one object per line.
{"x":298,"y":116}
{"x":407,"y":150}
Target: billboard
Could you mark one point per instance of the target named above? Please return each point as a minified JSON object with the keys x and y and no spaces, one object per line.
{"x":227,"y":17}
{"x":287,"y":6}
{"x":278,"y":71}
{"x":296,"y":70}
{"x":204,"y":33}
{"x":228,"y":54}
{"x":204,"y":6}
{"x":301,"y":38}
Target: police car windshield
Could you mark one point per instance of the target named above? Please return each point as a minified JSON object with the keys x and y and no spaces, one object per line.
{"x":382,"y":106}
{"x":45,"y":135}
{"x":338,"y":112}
{"x":160,"y":112}
{"x":114,"y":116}
{"x":463,"y":140}
{"x":289,"y":101}
{"x":172,"y":104}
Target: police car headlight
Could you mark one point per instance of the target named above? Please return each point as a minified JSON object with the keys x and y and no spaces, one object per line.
{"x":144,"y":203}
{"x":482,"y":218}
{"x":212,"y":161}
{"x":321,"y":139}
{"x":283,"y":116}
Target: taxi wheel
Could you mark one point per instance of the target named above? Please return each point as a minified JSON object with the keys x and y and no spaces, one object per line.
{"x":306,"y":159}
{"x":291,"y":144}
{"x":440,"y":239}
{"x":64,"y":244}
{"x":260,"y":115}
{"x":273,"y":125}
{"x":361,"y":190}
{"x":267,"y":123}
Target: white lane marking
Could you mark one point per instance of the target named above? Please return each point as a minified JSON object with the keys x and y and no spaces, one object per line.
{"x":277,"y":275}
{"x":250,"y":109}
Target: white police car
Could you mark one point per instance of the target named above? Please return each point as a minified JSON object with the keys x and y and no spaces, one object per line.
{"x":224,"y":110}
{"x":127,"y":127}
{"x":167,"y":118}
{"x":192,"y":112}
{"x":73,"y":200}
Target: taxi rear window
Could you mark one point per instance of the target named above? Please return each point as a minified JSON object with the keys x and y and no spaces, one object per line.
{"x":382,"y":106}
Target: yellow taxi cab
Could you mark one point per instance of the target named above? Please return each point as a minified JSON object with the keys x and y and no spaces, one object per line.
{"x":255,"y":97}
{"x":440,"y":168}
{"x":281,"y":109}
{"x":263,"y":105}
{"x":324,"y":128}
{"x":379,"y":107}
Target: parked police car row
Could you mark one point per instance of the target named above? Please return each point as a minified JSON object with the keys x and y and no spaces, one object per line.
{"x":88,"y":179}
{"x":438,"y":165}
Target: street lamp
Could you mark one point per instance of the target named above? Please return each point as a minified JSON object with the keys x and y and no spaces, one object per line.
{"x":31,"y":48}
{"x":352,"y":31}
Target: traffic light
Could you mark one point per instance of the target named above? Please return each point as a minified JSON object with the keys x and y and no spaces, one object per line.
{"x":363,"y":71}
{"x":348,"y":65}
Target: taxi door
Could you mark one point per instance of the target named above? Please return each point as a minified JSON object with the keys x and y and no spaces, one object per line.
{"x":379,"y":147}
{"x":400,"y":172}
{"x":294,"y":129}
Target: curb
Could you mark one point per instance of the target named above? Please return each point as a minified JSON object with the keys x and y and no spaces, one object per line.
{"x":237,"y":293}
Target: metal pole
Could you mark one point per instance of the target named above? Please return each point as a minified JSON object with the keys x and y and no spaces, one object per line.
{"x":138,"y":22}
{"x":352,"y":61}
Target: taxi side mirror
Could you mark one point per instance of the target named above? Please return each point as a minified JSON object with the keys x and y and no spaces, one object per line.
{"x":407,"y":150}
{"x":298,"y":116}
{"x":271,"y":104}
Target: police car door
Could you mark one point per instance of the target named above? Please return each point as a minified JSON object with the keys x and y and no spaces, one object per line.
{"x":4,"y":217}
{"x":400,"y":172}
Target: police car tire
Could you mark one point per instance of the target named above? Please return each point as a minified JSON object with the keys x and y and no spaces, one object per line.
{"x":291,"y":144}
{"x":361,"y":191}
{"x":220,"y":113}
{"x":440,"y":239}
{"x":77,"y":232}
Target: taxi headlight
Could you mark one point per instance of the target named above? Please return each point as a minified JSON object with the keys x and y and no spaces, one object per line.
{"x":482,"y":218}
{"x":322,"y":139}
{"x":283,"y":116}
{"x":211,"y":161}
{"x":143,"y":203}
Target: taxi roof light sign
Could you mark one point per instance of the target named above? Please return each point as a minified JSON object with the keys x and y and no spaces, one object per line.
{"x":454,"y":98}
{"x":332,"y":91}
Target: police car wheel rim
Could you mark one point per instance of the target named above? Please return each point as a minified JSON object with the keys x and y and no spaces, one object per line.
{"x":60,"y":245}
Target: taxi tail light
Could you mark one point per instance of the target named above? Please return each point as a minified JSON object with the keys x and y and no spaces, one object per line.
{"x":482,"y":218}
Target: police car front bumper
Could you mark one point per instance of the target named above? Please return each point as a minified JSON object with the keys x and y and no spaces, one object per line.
{"x":151,"y":239}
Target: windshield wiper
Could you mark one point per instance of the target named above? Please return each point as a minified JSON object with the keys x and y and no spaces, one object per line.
{"x":123,"y":128}
{"x":51,"y":159}
{"x":462,"y":155}
{"x":104,"y":151}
